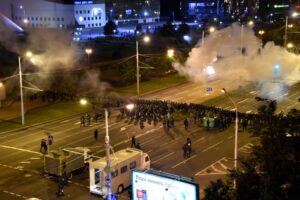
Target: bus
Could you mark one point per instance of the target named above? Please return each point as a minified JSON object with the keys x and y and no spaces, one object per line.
{"x":121,"y":164}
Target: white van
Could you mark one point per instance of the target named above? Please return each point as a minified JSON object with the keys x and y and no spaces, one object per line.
{"x":121,"y":164}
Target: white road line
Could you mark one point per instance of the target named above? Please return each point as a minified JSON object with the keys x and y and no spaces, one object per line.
{"x":216,"y":173}
{"x":215,"y":169}
{"x":249,"y":111}
{"x":201,"y":171}
{"x":19,"y":149}
{"x":224,"y":166}
{"x":35,"y":158}
{"x":253,"y":92}
{"x":76,"y":123}
{"x":184,"y":161}
{"x":208,"y":148}
{"x":199,"y":140}
{"x":25,"y":162}
{"x":65,"y":121}
{"x":227,"y":107}
{"x":155,"y":161}
{"x":242,"y":101}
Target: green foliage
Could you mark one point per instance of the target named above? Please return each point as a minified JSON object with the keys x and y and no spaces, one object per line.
{"x":272,"y":171}
{"x":110,"y":28}
{"x":218,"y":190}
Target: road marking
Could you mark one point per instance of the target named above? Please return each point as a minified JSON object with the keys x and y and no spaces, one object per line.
{"x":122,"y":129}
{"x":65,"y":121}
{"x":233,"y":109}
{"x":35,"y":158}
{"x":224,"y":166}
{"x":216,"y":170}
{"x":199,"y":140}
{"x":227,"y":107}
{"x":249,"y":111}
{"x":77,"y":123}
{"x":253,"y":92}
{"x":25,"y":162}
{"x":230,"y":137}
{"x":206,"y":168}
{"x":155,"y":161}
{"x":214,"y":173}
{"x":19,"y":149}
{"x":208,"y":148}
{"x":183,"y":162}
{"x":242,"y":101}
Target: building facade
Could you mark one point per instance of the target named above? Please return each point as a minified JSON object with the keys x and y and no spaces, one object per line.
{"x":133,"y":11}
{"x":55,"y":14}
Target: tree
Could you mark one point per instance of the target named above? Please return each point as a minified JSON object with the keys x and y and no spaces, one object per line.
{"x":272,"y":171}
{"x":110,"y":28}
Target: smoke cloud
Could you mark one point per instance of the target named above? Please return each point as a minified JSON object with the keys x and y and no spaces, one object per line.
{"x":272,"y":66}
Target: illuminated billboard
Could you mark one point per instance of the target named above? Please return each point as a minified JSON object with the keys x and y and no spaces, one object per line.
{"x":151,"y":186}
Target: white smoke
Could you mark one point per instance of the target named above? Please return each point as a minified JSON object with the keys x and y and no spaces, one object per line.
{"x":257,"y":64}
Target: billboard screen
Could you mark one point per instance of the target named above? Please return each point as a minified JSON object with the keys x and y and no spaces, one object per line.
{"x":146,"y":186}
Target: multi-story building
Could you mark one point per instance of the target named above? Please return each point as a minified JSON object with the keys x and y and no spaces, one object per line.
{"x":133,"y":11}
{"x":55,"y":13}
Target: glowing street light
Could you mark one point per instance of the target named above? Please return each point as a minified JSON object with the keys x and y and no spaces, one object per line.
{"x":83,"y":102}
{"x":28,"y":54}
{"x":146,"y":39}
{"x":25,"y":21}
{"x":88,"y":51}
{"x":107,"y":146}
{"x":170,"y":53}
{"x":212,"y":29}
{"x":236,"y":132}
{"x":261,"y":32}
{"x":251,"y":22}
{"x":295,"y":14}
{"x":290,"y":45}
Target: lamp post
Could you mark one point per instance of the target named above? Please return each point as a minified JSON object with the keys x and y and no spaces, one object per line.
{"x":107,"y":147}
{"x":146,"y":39}
{"x":235,"y":133}
{"x":88,"y":51}
{"x":29,"y":55}
{"x":295,"y":14}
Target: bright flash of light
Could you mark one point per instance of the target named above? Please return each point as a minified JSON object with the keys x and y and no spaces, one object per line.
{"x":210,"y":70}
{"x":83,"y":101}
{"x":130,"y":106}
{"x":146,"y":39}
{"x":170,"y":53}
{"x":28,"y":54}
{"x":1,"y":84}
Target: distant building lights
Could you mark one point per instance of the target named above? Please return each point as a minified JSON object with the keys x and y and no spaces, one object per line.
{"x":21,"y":7}
{"x":81,"y":19}
{"x":145,"y":13}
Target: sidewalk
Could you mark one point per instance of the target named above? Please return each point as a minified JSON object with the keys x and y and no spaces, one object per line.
{"x":14,"y":111}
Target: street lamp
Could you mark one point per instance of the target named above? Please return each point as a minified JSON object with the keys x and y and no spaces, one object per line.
{"x":212,"y":29}
{"x":235,"y":133}
{"x":28,"y":55}
{"x":88,"y":51}
{"x":290,"y":45}
{"x":295,"y":14}
{"x":170,"y":53}
{"x":261,"y":32}
{"x":146,"y":39}
{"x":107,"y":146}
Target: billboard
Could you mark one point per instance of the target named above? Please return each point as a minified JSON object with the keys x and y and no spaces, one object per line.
{"x":148,"y":186}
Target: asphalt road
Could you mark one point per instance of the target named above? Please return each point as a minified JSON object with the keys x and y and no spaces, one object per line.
{"x":21,"y":163}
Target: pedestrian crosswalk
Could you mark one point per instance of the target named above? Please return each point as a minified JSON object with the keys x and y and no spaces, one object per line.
{"x":219,"y":167}
{"x":246,"y":148}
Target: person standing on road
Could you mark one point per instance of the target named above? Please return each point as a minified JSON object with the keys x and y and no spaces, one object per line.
{"x":42,"y":145}
{"x":96,"y":134}
{"x":186,"y":123}
{"x":133,"y":142}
